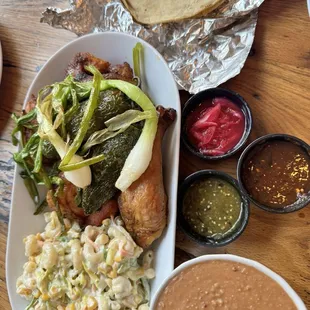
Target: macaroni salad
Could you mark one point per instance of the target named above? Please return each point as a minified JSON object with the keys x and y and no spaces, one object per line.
{"x":98,"y":268}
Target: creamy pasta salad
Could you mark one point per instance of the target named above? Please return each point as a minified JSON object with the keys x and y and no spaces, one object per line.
{"x":96,"y":268}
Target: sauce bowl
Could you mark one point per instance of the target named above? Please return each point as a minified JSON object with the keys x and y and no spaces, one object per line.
{"x":184,"y":225}
{"x":211,"y":93}
{"x":227,"y":257}
{"x":299,"y":204}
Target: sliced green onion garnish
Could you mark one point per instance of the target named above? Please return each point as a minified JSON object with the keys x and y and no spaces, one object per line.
{"x":91,"y":106}
{"x":84,"y":163}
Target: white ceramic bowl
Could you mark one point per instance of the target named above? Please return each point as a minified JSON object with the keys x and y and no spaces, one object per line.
{"x":291,"y":293}
{"x":161,"y":88}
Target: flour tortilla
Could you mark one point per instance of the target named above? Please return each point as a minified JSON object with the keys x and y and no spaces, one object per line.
{"x":163,"y":11}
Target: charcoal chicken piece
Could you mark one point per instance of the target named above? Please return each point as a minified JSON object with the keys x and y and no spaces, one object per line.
{"x":80,"y":60}
{"x":66,"y":202}
{"x":77,"y":68}
{"x":30,"y":105}
{"x":120,"y":72}
{"x":143,"y":206}
{"x":69,"y":208}
{"x":109,"y":208}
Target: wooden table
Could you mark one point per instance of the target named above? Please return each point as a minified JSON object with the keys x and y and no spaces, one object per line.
{"x":275,"y":82}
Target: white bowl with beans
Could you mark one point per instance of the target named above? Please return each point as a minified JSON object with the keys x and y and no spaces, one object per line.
{"x":190,"y":286}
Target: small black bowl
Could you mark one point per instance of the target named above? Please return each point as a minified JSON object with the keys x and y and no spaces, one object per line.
{"x":205,"y":174}
{"x":260,"y":141}
{"x":211,"y":93}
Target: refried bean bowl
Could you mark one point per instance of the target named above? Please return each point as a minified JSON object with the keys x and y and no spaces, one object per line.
{"x":293,"y":301}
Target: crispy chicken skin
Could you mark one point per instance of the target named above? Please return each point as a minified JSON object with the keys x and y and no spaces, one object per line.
{"x":110,"y":208}
{"x":80,"y":60}
{"x":69,"y":209}
{"x":30,"y":105}
{"x":143,"y":206}
{"x":66,"y":202}
{"x":120,"y":72}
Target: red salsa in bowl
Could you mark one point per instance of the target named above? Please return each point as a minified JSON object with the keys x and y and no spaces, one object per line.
{"x":215,"y":123}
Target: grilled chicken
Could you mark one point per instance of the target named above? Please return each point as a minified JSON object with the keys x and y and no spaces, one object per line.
{"x":110,"y":208}
{"x":30,"y":105}
{"x":66,"y":202}
{"x":143,"y":206}
{"x":80,"y":60}
{"x":69,"y":209}
{"x":120,"y":72}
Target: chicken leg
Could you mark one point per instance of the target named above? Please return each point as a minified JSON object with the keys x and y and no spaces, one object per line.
{"x":143,"y":206}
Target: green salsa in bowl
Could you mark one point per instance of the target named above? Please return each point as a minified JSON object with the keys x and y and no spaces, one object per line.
{"x":211,"y":209}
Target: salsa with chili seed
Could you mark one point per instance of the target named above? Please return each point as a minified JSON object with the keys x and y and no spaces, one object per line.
{"x":212,"y":207}
{"x":276,"y":174}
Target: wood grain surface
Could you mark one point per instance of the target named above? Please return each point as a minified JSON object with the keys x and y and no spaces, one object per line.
{"x":275,"y":82}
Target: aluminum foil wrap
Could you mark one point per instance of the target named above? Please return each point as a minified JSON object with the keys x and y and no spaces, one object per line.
{"x":202,"y":53}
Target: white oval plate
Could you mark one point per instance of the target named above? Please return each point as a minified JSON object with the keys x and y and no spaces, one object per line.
{"x":260,"y":267}
{"x":161,"y":88}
